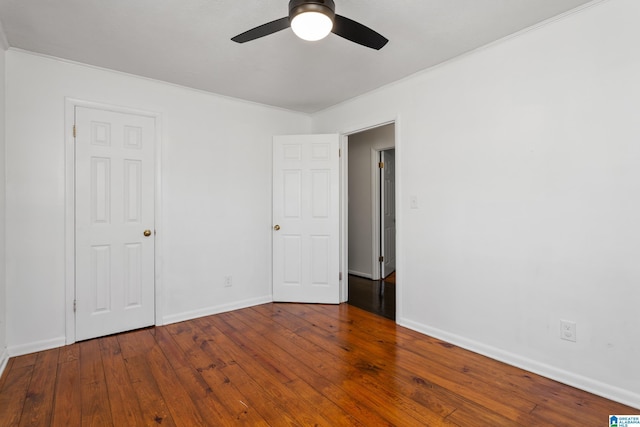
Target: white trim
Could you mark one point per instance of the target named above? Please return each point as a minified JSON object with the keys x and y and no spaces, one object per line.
{"x":158,"y":209}
{"x":36,"y":346}
{"x":344,"y":219}
{"x":399,"y":217}
{"x":583,"y":383}
{"x":375,"y":214}
{"x":4,"y":43}
{"x":4,"y":360}
{"x":223,"y":308}
{"x":162,"y":82}
{"x":69,"y":220}
{"x":69,"y":232}
{"x":368,"y":125}
{"x":361,"y":274}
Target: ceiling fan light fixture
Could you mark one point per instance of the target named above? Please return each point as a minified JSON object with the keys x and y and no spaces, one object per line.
{"x":312,"y":26}
{"x":311,"y":20}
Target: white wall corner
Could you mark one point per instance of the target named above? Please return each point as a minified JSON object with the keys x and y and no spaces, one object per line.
{"x":217,"y":309}
{"x":590,"y":385}
{"x":4,"y":43}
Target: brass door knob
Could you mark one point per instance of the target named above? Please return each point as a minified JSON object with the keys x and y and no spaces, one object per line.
{"x":276,"y":227}
{"x":147,"y":233}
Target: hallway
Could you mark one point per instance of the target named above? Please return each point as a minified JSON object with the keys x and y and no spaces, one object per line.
{"x":368,"y":295}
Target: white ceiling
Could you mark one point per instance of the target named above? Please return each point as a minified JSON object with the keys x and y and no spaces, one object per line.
{"x":187,"y":42}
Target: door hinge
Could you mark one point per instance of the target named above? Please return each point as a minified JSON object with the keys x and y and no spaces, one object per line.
{"x":381,"y":165}
{"x":339,"y":152}
{"x":75,"y":304}
{"x":381,"y":259}
{"x":340,"y":276}
{"x":74,"y":131}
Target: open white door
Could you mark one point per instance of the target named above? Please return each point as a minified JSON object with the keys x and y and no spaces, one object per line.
{"x":306,"y":219}
{"x":114,"y":216}
{"x":388,"y":203}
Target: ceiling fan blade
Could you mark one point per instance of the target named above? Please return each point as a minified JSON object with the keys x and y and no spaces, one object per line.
{"x":358,"y":33}
{"x":263,"y":30}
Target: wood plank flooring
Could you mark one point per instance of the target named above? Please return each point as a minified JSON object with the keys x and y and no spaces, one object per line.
{"x":374,"y":296}
{"x":284,"y":365}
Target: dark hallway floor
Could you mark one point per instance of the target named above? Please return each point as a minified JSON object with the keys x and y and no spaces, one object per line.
{"x":365,"y":294}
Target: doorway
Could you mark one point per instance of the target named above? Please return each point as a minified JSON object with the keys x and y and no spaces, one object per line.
{"x":371,"y":220}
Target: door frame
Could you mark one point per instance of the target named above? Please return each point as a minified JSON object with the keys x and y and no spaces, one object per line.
{"x":69,"y":197}
{"x":344,"y":205}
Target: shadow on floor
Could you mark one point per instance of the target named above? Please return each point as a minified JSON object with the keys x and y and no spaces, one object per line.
{"x":375,"y":296}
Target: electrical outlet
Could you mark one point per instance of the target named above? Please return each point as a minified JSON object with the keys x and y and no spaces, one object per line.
{"x":568,"y":330}
{"x":228,"y":281}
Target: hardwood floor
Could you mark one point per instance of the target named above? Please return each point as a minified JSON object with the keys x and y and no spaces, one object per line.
{"x":374,"y":296}
{"x":283,"y":364}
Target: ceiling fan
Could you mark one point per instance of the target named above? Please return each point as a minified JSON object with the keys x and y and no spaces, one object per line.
{"x":313,"y":20}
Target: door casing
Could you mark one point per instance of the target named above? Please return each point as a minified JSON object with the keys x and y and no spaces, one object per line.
{"x":70,"y":105}
{"x":344,"y":205}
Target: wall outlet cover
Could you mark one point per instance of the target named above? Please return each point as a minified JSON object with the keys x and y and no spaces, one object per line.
{"x":568,"y":330}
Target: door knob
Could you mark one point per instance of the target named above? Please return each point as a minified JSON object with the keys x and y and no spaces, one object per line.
{"x":147,"y":233}
{"x":276,"y":227}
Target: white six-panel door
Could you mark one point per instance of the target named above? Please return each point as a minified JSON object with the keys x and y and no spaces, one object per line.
{"x":306,"y":219}
{"x":388,"y":202}
{"x":114,"y":194}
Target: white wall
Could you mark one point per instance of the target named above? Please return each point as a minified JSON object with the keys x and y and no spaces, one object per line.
{"x":361,"y":251}
{"x":216,"y":203}
{"x":3,"y":300}
{"x":524,"y":157}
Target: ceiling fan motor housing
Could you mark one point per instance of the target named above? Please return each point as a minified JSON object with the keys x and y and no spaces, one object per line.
{"x":326,"y":7}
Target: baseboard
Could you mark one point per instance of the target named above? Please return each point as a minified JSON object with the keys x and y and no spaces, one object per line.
{"x":19,"y":350}
{"x":361,"y":274}
{"x":590,"y":385}
{"x":208,"y":311}
{"x":4,"y":359}
{"x":23,"y":349}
